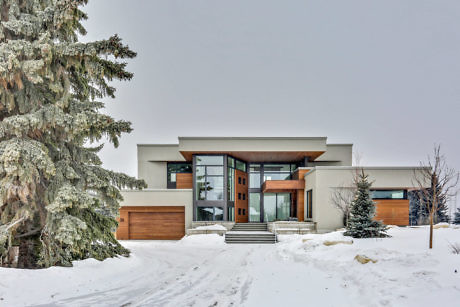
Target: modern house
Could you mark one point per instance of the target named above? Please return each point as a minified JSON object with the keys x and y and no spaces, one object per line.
{"x":251,"y":179}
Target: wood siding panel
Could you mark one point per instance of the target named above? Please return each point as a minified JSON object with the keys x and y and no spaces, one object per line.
{"x":392,"y":211}
{"x":184,"y":180}
{"x":241,"y":203}
{"x":300,"y":204}
{"x":276,"y":186}
{"x":151,"y":223}
{"x":300,"y":174}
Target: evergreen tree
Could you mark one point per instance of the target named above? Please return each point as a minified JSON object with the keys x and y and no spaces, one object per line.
{"x":419,"y":212}
{"x":57,"y":202}
{"x":457,"y":217}
{"x":361,"y":223}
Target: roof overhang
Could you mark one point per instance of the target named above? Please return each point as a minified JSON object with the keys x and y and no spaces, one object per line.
{"x":255,"y":149}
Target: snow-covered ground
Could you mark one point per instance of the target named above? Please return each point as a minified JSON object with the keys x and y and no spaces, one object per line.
{"x":203,"y":271}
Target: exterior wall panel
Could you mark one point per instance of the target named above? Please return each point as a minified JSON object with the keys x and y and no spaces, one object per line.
{"x":158,"y":198}
{"x":324,"y":180}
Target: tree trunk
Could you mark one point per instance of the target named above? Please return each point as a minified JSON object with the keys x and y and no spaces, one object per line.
{"x":28,"y":253}
{"x":431,"y":230}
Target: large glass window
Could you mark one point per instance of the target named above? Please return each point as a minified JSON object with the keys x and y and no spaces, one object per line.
{"x":204,"y":213}
{"x":254,"y":176}
{"x":231,"y":213}
{"x":269,"y":207}
{"x":389,"y":194}
{"x":240,"y":165}
{"x":209,"y":178}
{"x":209,"y":214}
{"x":283,"y":206}
{"x":209,"y":160}
{"x":218,"y":214}
{"x":254,"y":207}
{"x":277,"y":172}
{"x":231,"y":184}
{"x":176,"y":167}
{"x":277,"y":206}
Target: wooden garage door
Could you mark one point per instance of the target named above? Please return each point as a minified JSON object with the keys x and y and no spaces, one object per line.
{"x":151,"y":223}
{"x":393,"y":211}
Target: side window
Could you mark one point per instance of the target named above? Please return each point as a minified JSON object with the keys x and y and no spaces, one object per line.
{"x":244,"y":211}
{"x":244,"y":196}
{"x":239,"y":211}
{"x":244,"y":181}
{"x":239,"y":180}
{"x":174,"y":168}
{"x":239,"y":195}
{"x":309,"y":204}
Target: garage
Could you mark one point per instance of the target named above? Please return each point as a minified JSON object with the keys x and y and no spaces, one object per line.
{"x":151,"y":223}
{"x":393,"y":211}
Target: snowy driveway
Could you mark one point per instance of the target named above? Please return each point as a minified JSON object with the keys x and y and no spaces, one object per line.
{"x":203,"y":271}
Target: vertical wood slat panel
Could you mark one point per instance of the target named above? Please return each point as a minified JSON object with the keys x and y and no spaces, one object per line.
{"x":300,"y":204}
{"x":240,"y":203}
{"x":184,"y":180}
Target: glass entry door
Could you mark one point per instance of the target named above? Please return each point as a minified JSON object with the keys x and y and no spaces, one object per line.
{"x":277,"y":206}
{"x":254,"y":207}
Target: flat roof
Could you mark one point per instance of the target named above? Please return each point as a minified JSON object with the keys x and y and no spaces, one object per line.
{"x":253,"y":137}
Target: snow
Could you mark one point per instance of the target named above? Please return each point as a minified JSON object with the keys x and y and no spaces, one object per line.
{"x":211,"y":227}
{"x":202,"y":270}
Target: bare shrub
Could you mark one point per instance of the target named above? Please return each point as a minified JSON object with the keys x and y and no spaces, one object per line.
{"x":454,"y":248}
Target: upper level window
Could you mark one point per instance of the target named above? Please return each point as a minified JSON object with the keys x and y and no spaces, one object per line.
{"x":254,"y":176}
{"x":209,"y":177}
{"x":173,"y":169}
{"x":209,"y":160}
{"x":277,"y":172}
{"x":236,"y":164}
{"x":240,"y":165}
{"x":389,"y":194}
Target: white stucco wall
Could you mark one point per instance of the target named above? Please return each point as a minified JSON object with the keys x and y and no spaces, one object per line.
{"x":323,"y":180}
{"x":161,"y":197}
{"x":335,"y":155}
{"x":152,"y":163}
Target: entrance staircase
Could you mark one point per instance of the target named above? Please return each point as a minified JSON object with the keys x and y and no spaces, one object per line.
{"x":250,"y":233}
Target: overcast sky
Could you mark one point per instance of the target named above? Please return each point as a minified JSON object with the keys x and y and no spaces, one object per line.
{"x":384,"y":75}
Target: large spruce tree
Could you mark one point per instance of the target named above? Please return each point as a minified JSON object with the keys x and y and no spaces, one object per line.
{"x":58,"y":203}
{"x":361,"y":223}
{"x":457,"y":217}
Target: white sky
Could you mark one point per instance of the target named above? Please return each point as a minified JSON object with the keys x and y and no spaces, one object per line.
{"x":384,"y":75}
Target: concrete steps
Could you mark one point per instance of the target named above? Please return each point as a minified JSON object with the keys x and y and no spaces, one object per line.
{"x":250,"y":233}
{"x":250,"y":227}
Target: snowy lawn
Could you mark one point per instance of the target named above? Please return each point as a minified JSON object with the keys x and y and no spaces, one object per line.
{"x":202,"y":271}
